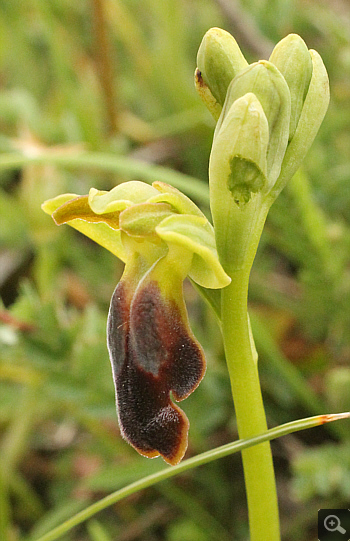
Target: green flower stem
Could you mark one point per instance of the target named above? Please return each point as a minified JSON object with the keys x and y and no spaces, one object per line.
{"x":250,"y":414}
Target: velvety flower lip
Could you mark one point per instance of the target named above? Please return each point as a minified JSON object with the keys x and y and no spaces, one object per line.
{"x":152,"y":352}
{"x":162,"y":237}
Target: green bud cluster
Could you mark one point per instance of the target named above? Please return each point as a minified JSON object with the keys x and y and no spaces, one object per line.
{"x":268,"y":113}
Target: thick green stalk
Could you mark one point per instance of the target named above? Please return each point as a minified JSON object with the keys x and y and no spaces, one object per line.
{"x":250,"y":414}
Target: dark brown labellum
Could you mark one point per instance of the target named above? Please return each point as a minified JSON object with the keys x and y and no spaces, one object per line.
{"x":153,"y":353}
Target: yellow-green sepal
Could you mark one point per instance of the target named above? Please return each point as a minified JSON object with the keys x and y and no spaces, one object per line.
{"x":53,"y":204}
{"x":76,"y":212}
{"x":196,"y":235}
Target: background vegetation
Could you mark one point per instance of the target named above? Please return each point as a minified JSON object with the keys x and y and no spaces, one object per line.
{"x":97,"y":92}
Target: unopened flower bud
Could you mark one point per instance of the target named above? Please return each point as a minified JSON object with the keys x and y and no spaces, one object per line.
{"x":313,"y":111}
{"x":238,"y":156}
{"x":292,"y":58}
{"x":265,"y":81}
{"x":219,"y":60}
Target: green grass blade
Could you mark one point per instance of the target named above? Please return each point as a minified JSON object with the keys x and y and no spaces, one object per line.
{"x":193,"y":462}
{"x":122,"y":165}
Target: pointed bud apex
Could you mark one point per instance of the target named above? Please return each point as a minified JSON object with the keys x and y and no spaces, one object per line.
{"x":219,"y":60}
{"x":239,"y":150}
{"x":293,"y":60}
{"x":265,"y":81}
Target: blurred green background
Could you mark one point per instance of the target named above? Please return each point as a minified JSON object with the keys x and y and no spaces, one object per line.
{"x":97,"y":92}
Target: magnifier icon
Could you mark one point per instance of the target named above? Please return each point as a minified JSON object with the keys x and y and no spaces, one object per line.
{"x":332,"y":524}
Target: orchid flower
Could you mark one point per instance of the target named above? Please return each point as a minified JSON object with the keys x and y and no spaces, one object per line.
{"x":162,"y":237}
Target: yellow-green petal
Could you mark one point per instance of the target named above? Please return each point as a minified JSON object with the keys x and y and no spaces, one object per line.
{"x":122,"y":196}
{"x":173,"y":196}
{"x":141,"y":220}
{"x":196,"y":234}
